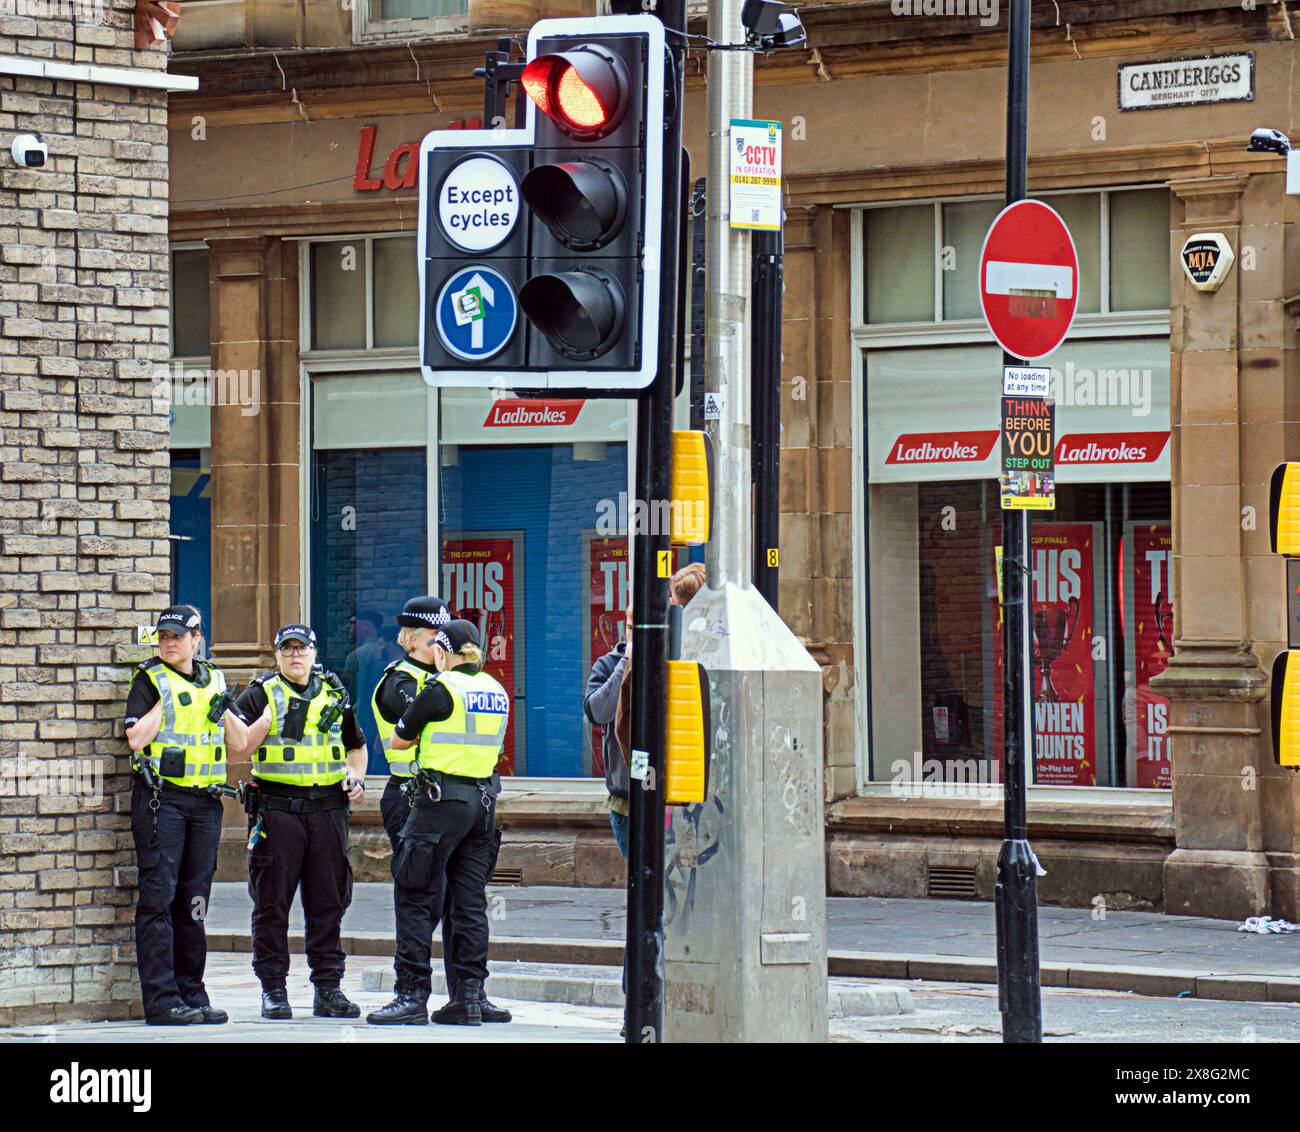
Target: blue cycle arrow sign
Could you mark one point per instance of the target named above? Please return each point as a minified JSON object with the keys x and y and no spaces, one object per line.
{"x":476,"y":313}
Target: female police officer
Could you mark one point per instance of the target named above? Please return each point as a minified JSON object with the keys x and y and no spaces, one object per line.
{"x":309,"y":761}
{"x":457,"y":727}
{"x":176,"y":720}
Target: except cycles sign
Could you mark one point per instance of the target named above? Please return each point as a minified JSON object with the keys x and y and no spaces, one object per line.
{"x":478,"y":203}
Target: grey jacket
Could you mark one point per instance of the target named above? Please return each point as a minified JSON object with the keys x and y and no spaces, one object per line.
{"x":600,"y":706}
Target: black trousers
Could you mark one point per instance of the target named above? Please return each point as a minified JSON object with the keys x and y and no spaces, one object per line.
{"x":445,"y":852}
{"x":310,"y":850}
{"x":177,"y":856}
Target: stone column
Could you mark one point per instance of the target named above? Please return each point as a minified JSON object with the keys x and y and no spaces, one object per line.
{"x":1214,"y":682}
{"x":255,"y":449}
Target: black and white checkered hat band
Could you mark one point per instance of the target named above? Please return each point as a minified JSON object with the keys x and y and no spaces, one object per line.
{"x":442,"y":639}
{"x":442,"y":617}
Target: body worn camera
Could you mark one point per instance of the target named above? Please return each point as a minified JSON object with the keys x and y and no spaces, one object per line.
{"x":295,"y":719}
{"x":219,"y":706}
{"x":171,"y":763}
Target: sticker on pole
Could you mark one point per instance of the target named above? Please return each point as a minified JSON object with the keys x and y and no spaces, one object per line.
{"x":476,"y":313}
{"x":1029,"y":279}
{"x":478,"y":203}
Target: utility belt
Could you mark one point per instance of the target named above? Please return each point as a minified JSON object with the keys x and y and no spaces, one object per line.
{"x":429,"y":787}
{"x":171,"y":788}
{"x":336,"y":800}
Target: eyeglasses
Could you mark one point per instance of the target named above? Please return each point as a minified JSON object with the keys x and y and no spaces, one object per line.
{"x":295,"y":650}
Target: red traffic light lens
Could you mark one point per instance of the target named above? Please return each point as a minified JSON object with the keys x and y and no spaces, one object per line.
{"x":582,"y":91}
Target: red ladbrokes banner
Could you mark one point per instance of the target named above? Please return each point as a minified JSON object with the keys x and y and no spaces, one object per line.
{"x":1062,"y":673}
{"x":1152,"y":621}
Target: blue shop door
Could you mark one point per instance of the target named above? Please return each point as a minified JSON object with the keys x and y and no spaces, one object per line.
{"x":191,"y":529}
{"x":512,"y":528}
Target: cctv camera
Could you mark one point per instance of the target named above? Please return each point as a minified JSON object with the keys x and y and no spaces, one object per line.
{"x":29,"y":151}
{"x":790,"y":33}
{"x":759,"y":17}
{"x":1269,"y":141}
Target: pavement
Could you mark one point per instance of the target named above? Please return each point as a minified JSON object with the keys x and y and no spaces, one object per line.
{"x":870,"y":937}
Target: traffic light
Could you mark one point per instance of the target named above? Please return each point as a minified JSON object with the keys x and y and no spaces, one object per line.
{"x":539,"y":247}
{"x":688,"y":750}
{"x":1284,"y":532}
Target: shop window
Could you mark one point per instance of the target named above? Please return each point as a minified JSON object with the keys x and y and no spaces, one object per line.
{"x":190,"y":314}
{"x":1139,"y":238}
{"x":964,"y":227}
{"x":339,"y":280}
{"x":900,"y":255}
{"x":388,"y":19}
{"x":397,"y":292}
{"x":1103,"y":613}
{"x":903,"y":247}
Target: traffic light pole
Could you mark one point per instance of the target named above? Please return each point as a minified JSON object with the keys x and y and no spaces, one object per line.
{"x":1016,"y":894}
{"x":645,"y":883}
{"x":768,"y":275}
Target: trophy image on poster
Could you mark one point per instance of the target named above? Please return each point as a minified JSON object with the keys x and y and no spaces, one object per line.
{"x":610,"y":626}
{"x":1164,"y":623}
{"x":1053,"y":630}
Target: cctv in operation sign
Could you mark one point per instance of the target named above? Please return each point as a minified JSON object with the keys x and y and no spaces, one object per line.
{"x":755,"y":175}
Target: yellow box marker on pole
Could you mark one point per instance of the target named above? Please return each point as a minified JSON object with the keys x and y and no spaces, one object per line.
{"x":686,"y":761}
{"x":1284,"y":509}
{"x":1286,"y":709}
{"x":690,"y":510}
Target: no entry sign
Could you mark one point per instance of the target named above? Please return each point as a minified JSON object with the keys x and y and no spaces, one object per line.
{"x":1029,"y":279}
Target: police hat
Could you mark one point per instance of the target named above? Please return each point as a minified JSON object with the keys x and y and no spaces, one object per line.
{"x":178,"y":619}
{"x":295,"y":632}
{"x":424,"y":612}
{"x":455,"y":635}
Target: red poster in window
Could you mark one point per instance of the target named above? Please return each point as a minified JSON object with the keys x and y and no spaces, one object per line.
{"x":1062,"y":673}
{"x":1152,"y":621}
{"x":479,"y":577}
{"x":608,"y":582}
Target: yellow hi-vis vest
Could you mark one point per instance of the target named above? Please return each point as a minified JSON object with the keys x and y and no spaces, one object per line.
{"x":400,"y":763}
{"x":318,"y":758}
{"x":469,"y":742}
{"x":185,"y":704}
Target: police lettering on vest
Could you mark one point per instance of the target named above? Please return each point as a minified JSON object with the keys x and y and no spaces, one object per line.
{"x":186,"y":727}
{"x":469,"y":741}
{"x":308,"y":756}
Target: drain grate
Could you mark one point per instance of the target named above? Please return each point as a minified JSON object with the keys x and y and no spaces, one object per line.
{"x":506,"y":876}
{"x":947,"y":882}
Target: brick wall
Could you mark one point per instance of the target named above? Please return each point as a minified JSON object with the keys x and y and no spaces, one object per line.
{"x":84,"y":555}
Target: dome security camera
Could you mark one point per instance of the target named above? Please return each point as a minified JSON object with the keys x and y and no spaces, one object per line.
{"x":29,"y":151}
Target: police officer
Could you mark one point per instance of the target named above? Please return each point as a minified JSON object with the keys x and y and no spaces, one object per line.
{"x":455,"y":730}
{"x":300,"y":727}
{"x":179,"y":726}
{"x":402,"y":681}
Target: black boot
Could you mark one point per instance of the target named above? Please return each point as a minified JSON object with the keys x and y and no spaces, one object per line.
{"x":490,"y":1011}
{"x":464,"y":1009}
{"x":176,"y":1016}
{"x":275,"y":1004}
{"x":333,"y":1003}
{"x":405,"y":1010}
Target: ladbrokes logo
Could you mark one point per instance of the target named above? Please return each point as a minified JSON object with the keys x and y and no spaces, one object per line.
{"x":942,"y":447}
{"x":1111,"y":447}
{"x":525,"y":414}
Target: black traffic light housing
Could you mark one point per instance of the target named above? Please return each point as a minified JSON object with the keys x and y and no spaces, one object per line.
{"x":585,"y":190}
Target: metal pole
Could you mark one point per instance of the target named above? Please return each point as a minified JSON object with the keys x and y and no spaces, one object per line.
{"x":729,"y":556}
{"x":768,"y":275}
{"x":1019,"y":992}
{"x":645,"y":875}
